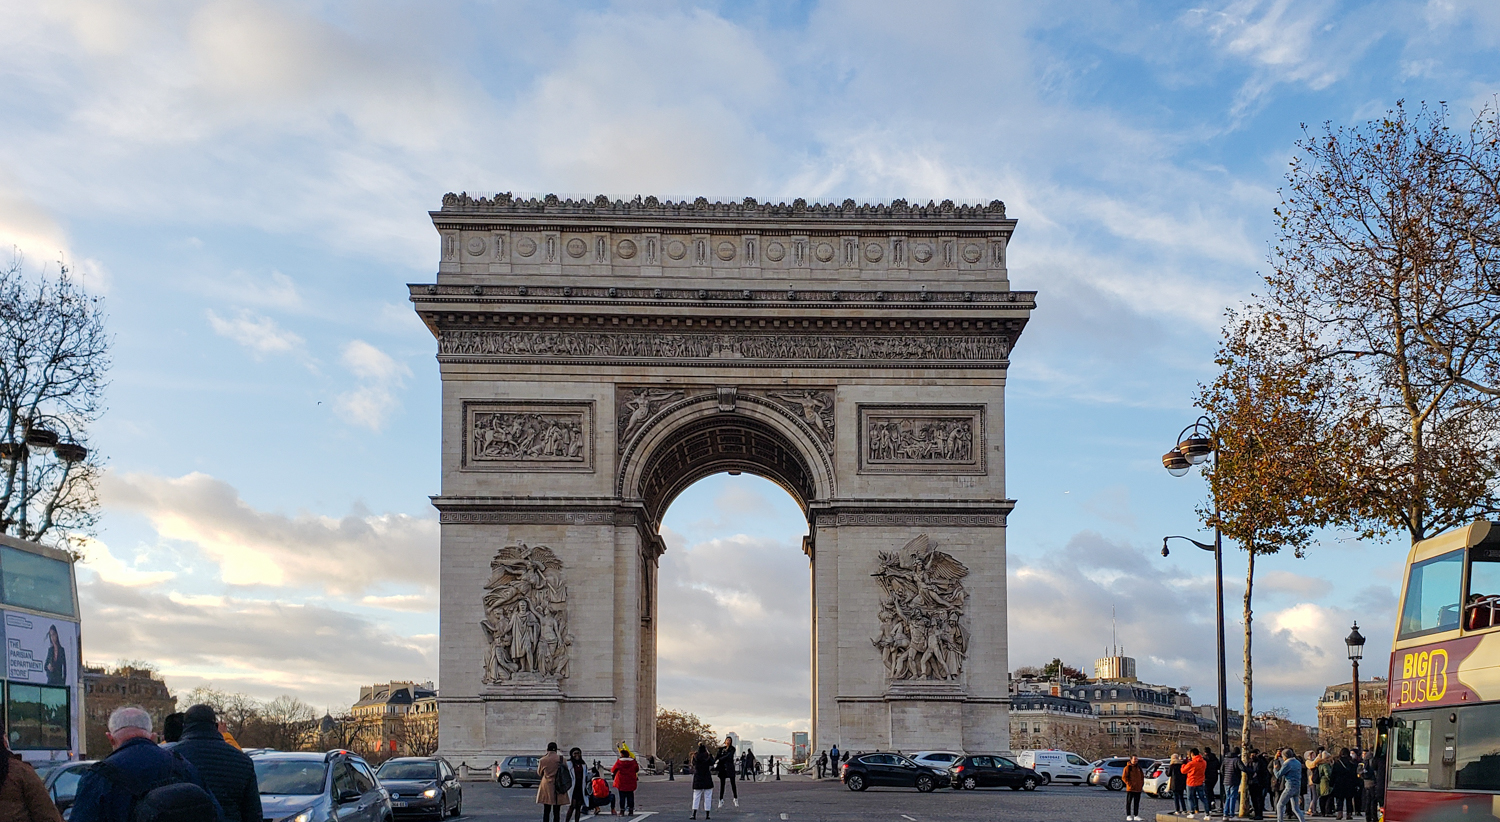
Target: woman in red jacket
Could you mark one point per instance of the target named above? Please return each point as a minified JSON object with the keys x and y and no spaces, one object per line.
{"x":626,"y":770}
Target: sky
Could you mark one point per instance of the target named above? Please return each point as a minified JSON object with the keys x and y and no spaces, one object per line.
{"x":246,"y":184}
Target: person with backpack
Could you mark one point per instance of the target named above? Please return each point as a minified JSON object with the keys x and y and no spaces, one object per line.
{"x":141,"y":780}
{"x":227,"y":772}
{"x":23,"y":797}
{"x":600,"y":794}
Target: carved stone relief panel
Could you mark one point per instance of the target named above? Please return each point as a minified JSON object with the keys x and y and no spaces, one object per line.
{"x":525,"y":617}
{"x":528,"y":436}
{"x":921,"y":439}
{"x":814,"y":407}
{"x":922,"y":603}
{"x":635,"y":405}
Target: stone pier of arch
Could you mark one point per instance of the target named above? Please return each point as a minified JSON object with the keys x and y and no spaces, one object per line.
{"x":597,"y":357}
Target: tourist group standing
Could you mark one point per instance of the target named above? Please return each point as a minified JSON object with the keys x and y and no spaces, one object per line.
{"x":1318,"y":783}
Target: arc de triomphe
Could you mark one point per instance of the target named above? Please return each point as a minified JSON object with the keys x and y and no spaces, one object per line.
{"x":598,"y":357}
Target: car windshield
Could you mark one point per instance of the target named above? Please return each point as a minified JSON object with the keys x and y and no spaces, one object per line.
{"x":292,"y":777}
{"x":408,"y":770}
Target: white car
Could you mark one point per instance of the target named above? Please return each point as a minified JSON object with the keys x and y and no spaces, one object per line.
{"x":1062,"y":767}
{"x":1158,"y":784}
{"x":938,"y":761}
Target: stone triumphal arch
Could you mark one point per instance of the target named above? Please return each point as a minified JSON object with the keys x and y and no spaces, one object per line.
{"x":597,"y":357}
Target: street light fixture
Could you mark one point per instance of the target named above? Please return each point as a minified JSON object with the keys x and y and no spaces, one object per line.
{"x":41,"y":439}
{"x":1195,"y":444}
{"x":1355,"y":642}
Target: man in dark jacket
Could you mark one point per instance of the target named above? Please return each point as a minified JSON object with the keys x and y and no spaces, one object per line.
{"x":228,"y":774}
{"x":1210,"y":777}
{"x":136,"y":759}
{"x":1231,"y":782}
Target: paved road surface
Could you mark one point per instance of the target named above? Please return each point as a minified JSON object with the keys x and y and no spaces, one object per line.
{"x":798,"y":799}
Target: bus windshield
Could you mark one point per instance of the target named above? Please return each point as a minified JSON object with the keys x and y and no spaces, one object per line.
{"x":1432,"y":595}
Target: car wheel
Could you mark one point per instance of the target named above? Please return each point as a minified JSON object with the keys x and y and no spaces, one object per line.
{"x":855,"y":782}
{"x":925,"y":784}
{"x":1046,"y":778}
{"x":970,"y":783}
{"x":506,"y":780}
{"x":1029,"y":783}
{"x":1115,"y":783}
{"x":458,"y":808}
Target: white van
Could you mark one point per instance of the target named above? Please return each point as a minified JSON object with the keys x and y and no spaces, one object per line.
{"x":1056,"y":766}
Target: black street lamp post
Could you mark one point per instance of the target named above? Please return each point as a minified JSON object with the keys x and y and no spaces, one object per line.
{"x":1195,"y":444}
{"x":1355,"y":641}
{"x":35,"y":437}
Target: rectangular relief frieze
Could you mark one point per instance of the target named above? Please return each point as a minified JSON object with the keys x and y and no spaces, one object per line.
{"x":921,"y":439}
{"x":519,"y":435}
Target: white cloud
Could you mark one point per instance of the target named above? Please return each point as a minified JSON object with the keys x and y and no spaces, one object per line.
{"x":99,"y":559}
{"x":342,"y":555}
{"x":374,"y":400}
{"x":264,"y":647}
{"x":258,"y":333}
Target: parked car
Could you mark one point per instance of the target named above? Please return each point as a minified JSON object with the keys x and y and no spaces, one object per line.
{"x":938,"y":761}
{"x":516,"y":771}
{"x":422,"y":786}
{"x":970,"y":772}
{"x":1110,"y":771}
{"x":1158,"y":784}
{"x":337,"y":786}
{"x":889,"y":770}
{"x":1056,"y":766}
{"x":61,"y":782}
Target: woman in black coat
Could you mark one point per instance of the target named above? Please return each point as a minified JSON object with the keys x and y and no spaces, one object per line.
{"x":703,"y":781}
{"x":578,"y":796}
{"x":1345,"y":784}
{"x":726,"y":772}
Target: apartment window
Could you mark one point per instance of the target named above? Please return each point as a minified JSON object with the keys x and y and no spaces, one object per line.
{"x":1114,"y":693}
{"x":1036,"y":729}
{"x":1098,"y":694}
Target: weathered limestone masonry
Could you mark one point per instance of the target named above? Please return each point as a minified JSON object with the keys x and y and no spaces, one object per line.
{"x":599,"y":356}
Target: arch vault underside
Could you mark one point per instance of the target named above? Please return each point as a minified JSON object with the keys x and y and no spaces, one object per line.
{"x":598,"y":357}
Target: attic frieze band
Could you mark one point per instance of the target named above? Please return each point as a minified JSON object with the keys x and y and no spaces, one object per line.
{"x":774,"y":347}
{"x":609,"y":295}
{"x":748,"y":208}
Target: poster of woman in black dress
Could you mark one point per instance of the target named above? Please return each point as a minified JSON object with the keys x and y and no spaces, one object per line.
{"x":57,"y":659}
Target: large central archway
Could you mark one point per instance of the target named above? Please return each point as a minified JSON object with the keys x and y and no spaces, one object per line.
{"x":599,"y":357}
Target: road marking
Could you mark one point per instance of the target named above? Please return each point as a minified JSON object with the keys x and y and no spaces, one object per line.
{"x":912,"y":818}
{"x":643,"y":815}
{"x":784,"y":816}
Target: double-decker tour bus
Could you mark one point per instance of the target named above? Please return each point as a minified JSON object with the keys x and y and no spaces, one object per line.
{"x":1442,"y":745}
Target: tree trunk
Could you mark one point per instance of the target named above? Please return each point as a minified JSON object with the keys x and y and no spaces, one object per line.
{"x":1249,"y":679}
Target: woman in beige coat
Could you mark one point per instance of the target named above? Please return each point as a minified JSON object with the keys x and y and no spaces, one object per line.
{"x":22,"y":796}
{"x":547,"y":794}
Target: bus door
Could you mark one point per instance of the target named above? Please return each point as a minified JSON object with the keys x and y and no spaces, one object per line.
{"x":1411,"y":748}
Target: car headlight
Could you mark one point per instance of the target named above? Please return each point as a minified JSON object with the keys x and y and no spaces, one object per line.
{"x":430,"y":793}
{"x":305,"y":815}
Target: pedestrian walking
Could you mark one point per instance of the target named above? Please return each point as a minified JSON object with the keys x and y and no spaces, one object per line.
{"x":548,"y":794}
{"x":578,"y":792}
{"x":725,"y":767}
{"x":822,"y":764}
{"x":627,"y":778}
{"x":1374,"y":784}
{"x":1211,"y":779}
{"x":1231,"y":771}
{"x":703,"y":781}
{"x":1194,"y":773}
{"x":1291,"y":775}
{"x":141,"y":776}
{"x":23,"y":797}
{"x":1345,"y":781}
{"x":1177,"y":782}
{"x":227,"y":772}
{"x":1135,"y":783}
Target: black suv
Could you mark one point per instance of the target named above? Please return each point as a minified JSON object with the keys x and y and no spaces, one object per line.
{"x":972,"y":772}
{"x":889,"y":770}
{"x":422,"y":786}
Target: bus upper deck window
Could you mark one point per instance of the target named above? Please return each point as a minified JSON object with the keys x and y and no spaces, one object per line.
{"x":1482,"y":607}
{"x":1432,"y":595}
